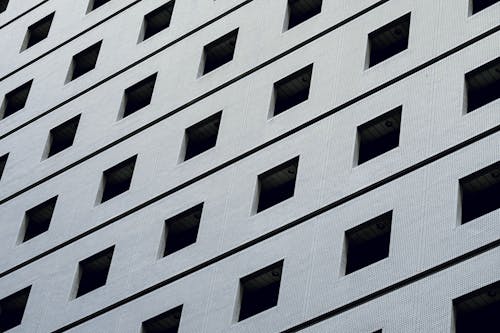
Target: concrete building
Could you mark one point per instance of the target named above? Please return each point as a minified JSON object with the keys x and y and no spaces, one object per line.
{"x":210,"y":166}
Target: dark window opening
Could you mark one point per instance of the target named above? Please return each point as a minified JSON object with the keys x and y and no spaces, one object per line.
{"x":37,"y":219}
{"x":302,"y":10}
{"x":158,"y":20}
{"x":139,"y":95}
{"x":368,"y":243}
{"x":277,"y":184}
{"x":260,"y":290}
{"x":389,"y":40}
{"x":117,"y":180}
{"x":38,"y":31}
{"x":93,"y":271}
{"x":84,"y":61}
{"x":483,"y":85}
{"x":292,"y":90}
{"x":202,"y":136}
{"x":182,"y":229}
{"x":478,"y":311}
{"x":12,"y":309}
{"x":379,"y":135}
{"x":219,"y":52}
{"x":94,"y":4}
{"x":3,"y":162}
{"x":480,"y":193}
{"x":3,"y":5}
{"x":167,"y":322}
{"x":62,"y":136}
{"x":15,"y":100}
{"x":479,"y":5}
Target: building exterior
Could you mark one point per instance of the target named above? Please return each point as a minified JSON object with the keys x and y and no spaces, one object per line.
{"x":250,"y":166}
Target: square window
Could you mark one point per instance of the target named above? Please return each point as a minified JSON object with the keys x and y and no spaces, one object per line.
{"x":37,"y":32}
{"x":139,"y":95}
{"x":379,"y":135}
{"x":389,"y":40}
{"x":157,"y":20}
{"x":219,"y":52}
{"x":93,"y":271}
{"x":483,"y":85}
{"x":61,"y":137}
{"x":15,"y":100}
{"x":480,"y":192}
{"x":37,"y":219}
{"x":182,"y":229}
{"x":117,"y":180}
{"x":3,"y":162}
{"x":259,"y":291}
{"x":302,"y":10}
{"x":368,"y":243}
{"x":478,"y":311}
{"x":277,"y":184}
{"x":479,"y":5}
{"x":167,"y":322}
{"x":94,"y":4}
{"x":84,"y":61}
{"x":3,"y":5}
{"x":13,"y":307}
{"x":292,"y":90}
{"x":202,"y":136}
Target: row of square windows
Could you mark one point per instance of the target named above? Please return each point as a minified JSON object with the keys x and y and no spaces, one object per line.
{"x":384,"y":43}
{"x":366,"y":244}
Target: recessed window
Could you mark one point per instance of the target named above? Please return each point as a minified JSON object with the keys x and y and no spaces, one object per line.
{"x":3,"y":162}
{"x":94,"y":4}
{"x":219,"y":52}
{"x":167,"y":322}
{"x":202,"y":136}
{"x":182,"y":229}
{"x":37,"y":219}
{"x":15,"y":100}
{"x":479,"y":5}
{"x":480,"y":192}
{"x":483,"y":85}
{"x":157,"y":20}
{"x":139,"y":95}
{"x":84,"y":61}
{"x":277,"y":184}
{"x":37,"y":32}
{"x":3,"y":5}
{"x":302,"y":10}
{"x":12,"y":309}
{"x":117,"y":180}
{"x":292,"y":90}
{"x":259,"y":291}
{"x":478,"y":311}
{"x":62,"y":136}
{"x":379,"y":135}
{"x":368,"y":243}
{"x":93,"y":271}
{"x":389,"y":40}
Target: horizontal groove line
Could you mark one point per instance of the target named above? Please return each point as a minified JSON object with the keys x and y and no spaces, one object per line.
{"x":123,"y":70}
{"x":284,"y":228}
{"x":23,"y":14}
{"x":232,"y":161}
{"x":43,"y":55}
{"x":398,"y":285}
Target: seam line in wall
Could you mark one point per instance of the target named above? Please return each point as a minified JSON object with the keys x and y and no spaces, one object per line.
{"x":161,"y":49}
{"x":304,"y":219}
{"x":23,"y":14}
{"x":81,"y":33}
{"x":256,"y":149}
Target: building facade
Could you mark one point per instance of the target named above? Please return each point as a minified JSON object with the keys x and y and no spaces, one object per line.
{"x":250,"y":166}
